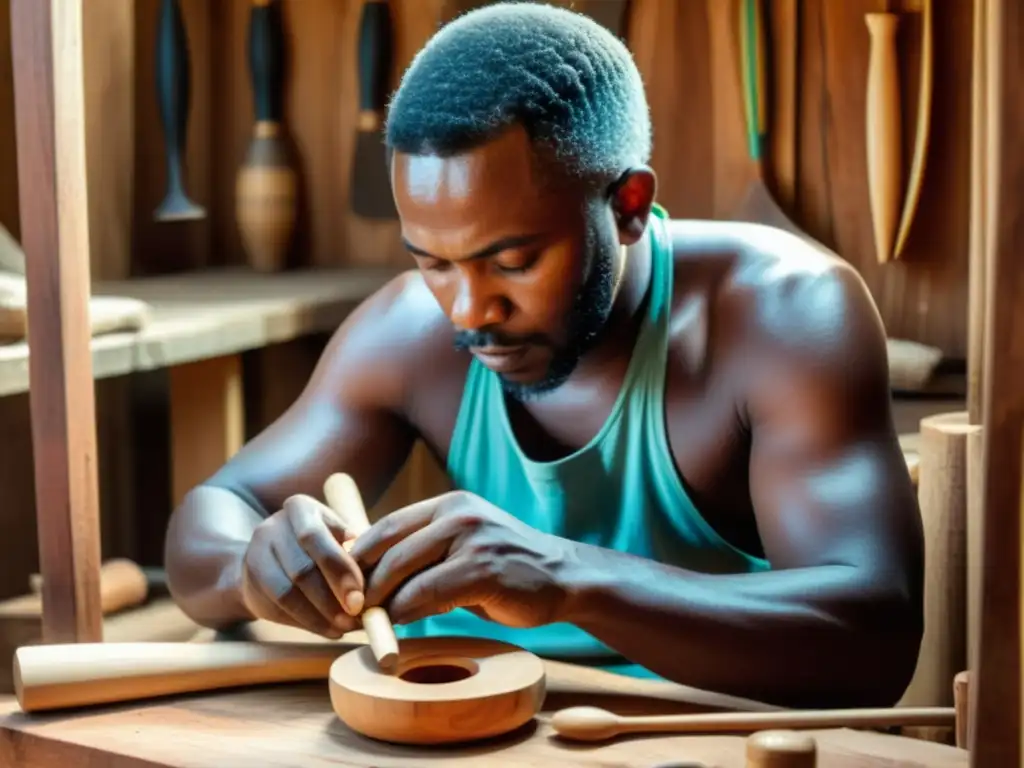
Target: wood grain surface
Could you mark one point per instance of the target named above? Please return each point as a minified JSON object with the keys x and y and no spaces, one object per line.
{"x":48,"y":91}
{"x":293,"y":725}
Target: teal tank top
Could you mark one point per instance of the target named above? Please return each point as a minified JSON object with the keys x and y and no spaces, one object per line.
{"x":621,"y":491}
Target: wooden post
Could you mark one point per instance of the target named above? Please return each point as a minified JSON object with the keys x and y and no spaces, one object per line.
{"x":50,"y":123}
{"x":995,"y":690}
{"x":207,"y":419}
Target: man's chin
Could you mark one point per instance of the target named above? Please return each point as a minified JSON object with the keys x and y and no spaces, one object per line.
{"x":528,"y":385}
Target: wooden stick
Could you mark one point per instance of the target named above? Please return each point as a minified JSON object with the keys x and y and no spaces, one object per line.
{"x":47,"y":43}
{"x":594,"y":724}
{"x":978,"y":218}
{"x":82,"y":674}
{"x":915,"y":182}
{"x":343,"y":497}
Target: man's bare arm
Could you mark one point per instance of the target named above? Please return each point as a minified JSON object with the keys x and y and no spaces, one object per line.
{"x":838,"y":619}
{"x":346,"y":419}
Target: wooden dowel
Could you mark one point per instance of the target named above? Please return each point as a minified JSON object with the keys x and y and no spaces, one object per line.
{"x":594,"y":724}
{"x":344,"y":498}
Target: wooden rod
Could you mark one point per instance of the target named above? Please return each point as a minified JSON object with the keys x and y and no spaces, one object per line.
{"x":49,"y":100}
{"x":344,"y":498}
{"x":595,"y":724}
{"x":978,"y":218}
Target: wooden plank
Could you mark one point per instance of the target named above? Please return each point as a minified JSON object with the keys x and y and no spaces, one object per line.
{"x":50,"y":122}
{"x":995,"y":710}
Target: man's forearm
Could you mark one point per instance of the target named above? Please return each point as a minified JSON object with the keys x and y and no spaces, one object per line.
{"x":803,"y":637}
{"x":206,"y":542}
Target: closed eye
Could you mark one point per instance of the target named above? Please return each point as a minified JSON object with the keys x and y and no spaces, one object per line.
{"x":518,"y":266}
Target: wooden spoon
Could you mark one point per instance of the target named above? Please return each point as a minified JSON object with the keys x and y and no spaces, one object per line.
{"x":594,"y":724}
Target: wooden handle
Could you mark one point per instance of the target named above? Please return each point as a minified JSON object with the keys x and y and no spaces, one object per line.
{"x":343,"y":497}
{"x":81,"y":674}
{"x":781,"y":749}
{"x":266,"y":59}
{"x":884,"y":138}
{"x":374,"y":58}
{"x":123,"y":584}
{"x":594,"y":724}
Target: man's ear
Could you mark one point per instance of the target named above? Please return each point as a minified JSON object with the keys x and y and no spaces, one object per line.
{"x":631,"y":197}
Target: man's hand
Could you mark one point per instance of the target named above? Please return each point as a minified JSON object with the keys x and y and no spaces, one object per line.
{"x":458,"y":550}
{"x":296,"y":572}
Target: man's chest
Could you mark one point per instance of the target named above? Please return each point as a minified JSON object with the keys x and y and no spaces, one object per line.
{"x":707,"y":444}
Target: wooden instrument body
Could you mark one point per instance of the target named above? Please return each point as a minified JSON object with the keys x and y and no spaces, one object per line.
{"x":445,"y":690}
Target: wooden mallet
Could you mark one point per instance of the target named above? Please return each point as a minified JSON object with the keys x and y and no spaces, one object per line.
{"x":344,"y":499}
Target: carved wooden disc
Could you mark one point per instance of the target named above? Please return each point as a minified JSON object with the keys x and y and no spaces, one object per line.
{"x":444,"y":690}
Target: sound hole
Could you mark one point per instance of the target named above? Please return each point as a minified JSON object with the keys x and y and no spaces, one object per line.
{"x":433,"y":674}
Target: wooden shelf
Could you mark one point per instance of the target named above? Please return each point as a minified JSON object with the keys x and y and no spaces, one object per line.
{"x":197,"y":316}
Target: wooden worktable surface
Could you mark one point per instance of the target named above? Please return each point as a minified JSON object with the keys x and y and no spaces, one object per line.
{"x":294,"y":725}
{"x":195,"y":316}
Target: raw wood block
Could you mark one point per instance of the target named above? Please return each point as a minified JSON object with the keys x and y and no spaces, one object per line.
{"x":942,"y":495}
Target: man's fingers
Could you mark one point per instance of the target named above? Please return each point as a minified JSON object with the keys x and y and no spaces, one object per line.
{"x":449,"y":585}
{"x":320,"y":535}
{"x":420,"y":549}
{"x":388,"y":531}
{"x":271,"y":579}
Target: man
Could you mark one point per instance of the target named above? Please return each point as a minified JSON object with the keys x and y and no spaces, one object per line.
{"x":671,"y":440}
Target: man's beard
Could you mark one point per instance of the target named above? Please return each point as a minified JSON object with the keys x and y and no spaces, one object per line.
{"x":584,"y":324}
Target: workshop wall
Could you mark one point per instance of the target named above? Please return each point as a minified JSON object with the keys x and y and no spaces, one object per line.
{"x":687,"y":51}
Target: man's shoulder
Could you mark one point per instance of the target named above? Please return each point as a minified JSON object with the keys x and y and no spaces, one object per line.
{"x":778,"y":300}
{"x":397,"y":336}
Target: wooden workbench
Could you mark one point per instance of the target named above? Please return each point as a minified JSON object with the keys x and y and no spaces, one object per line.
{"x":212,"y":314}
{"x":294,"y":725}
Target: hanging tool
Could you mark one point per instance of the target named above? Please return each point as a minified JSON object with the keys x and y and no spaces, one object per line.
{"x":267,"y":185}
{"x":759,"y":204}
{"x":370,"y":183}
{"x":884,"y":132}
{"x":924,"y":112}
{"x":173,"y":90}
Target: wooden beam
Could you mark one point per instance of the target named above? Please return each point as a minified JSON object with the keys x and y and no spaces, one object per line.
{"x":207,"y":420}
{"x":995,"y":689}
{"x":50,"y":123}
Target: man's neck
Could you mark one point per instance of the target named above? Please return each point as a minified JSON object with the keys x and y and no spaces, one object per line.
{"x":624,"y":321}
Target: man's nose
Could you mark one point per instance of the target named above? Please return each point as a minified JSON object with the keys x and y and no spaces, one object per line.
{"x":477,"y":306}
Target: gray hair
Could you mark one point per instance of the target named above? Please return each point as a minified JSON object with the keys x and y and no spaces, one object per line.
{"x":566,"y":79}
